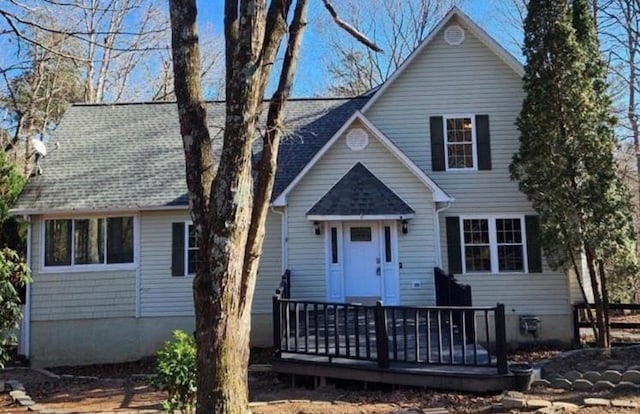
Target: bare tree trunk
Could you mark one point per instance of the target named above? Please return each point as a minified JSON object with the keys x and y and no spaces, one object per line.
{"x":229,"y":212}
{"x":602,"y":341}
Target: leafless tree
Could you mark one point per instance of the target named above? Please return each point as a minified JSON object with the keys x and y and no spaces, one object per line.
{"x":112,"y":38}
{"x":159,"y":70}
{"x":227,"y":207}
{"x":398,"y":25}
{"x":38,"y":84}
{"x":620,"y":33}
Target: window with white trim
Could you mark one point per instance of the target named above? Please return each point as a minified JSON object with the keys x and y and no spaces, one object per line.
{"x":88,"y":241}
{"x":493,"y":244}
{"x":191,"y":249}
{"x":460,"y":140}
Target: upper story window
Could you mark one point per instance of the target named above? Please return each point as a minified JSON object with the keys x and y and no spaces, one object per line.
{"x":493,"y":244}
{"x":88,"y":241}
{"x":460,"y":142}
{"x":460,"y":151}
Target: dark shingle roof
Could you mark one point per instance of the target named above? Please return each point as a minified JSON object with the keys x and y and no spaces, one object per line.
{"x":130,"y":155}
{"x":360,"y":193}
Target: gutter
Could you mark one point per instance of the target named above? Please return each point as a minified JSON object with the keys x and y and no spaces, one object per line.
{"x":72,"y":211}
{"x":25,"y":333}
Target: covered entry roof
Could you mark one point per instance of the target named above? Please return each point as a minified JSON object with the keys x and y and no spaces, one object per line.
{"x":360,"y":194}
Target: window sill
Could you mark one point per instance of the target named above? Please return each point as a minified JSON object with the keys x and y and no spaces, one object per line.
{"x":88,"y":268}
{"x":462,"y":170}
{"x":498,"y":274}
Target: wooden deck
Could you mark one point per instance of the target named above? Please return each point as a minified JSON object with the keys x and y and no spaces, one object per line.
{"x":452,"y":346}
{"x":442,"y":377}
{"x":350,"y":331}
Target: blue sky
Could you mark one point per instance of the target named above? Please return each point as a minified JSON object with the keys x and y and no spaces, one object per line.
{"x":311,"y":76}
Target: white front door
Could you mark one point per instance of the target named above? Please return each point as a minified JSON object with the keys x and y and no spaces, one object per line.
{"x":362,"y":262}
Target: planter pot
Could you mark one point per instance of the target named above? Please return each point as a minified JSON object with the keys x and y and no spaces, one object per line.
{"x":522,"y":373}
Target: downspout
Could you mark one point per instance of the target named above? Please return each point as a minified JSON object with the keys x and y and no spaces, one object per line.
{"x":26,"y":317}
{"x":436,"y":232}
{"x":284,"y":256}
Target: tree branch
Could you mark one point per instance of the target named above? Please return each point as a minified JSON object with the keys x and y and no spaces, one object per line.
{"x":360,"y":37}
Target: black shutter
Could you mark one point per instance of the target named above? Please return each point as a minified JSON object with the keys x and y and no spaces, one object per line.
{"x":483,"y":139}
{"x":177,"y":249}
{"x":534,"y":252}
{"x":437,"y":143}
{"x":453,"y":245}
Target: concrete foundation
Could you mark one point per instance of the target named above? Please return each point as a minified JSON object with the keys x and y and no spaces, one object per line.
{"x":96,"y":341}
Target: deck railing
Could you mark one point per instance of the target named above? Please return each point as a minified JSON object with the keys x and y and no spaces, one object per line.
{"x":391,"y":334}
{"x":450,"y":292}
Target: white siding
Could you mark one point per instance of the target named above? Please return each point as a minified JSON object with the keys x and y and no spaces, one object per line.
{"x":416,"y":249}
{"x":78,"y":295}
{"x":160,"y":293}
{"x":270,"y":269}
{"x":445,"y":79}
{"x":470,"y":78}
{"x":164,"y":295}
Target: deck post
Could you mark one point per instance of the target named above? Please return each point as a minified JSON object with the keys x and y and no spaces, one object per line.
{"x":501,"y":339}
{"x":382,"y":341}
{"x":277,"y":328}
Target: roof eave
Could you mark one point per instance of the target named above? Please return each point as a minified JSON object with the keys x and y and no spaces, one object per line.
{"x":77,"y":211}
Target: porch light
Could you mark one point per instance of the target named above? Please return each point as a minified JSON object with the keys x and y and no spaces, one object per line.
{"x":316,"y":228}
{"x":405,"y":227}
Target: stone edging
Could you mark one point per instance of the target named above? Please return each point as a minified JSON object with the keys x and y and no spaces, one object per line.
{"x":610,"y":379}
{"x":515,"y":399}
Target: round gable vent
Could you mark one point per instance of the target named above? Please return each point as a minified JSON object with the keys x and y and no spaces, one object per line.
{"x":357,"y":139}
{"x":454,"y":35}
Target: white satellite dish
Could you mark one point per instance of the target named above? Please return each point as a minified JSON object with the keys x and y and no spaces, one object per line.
{"x":39,"y":146}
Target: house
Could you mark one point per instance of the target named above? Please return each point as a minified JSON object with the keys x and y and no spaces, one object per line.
{"x":372,"y":193}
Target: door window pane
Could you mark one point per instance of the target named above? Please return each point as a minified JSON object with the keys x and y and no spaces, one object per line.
{"x":387,"y":244}
{"x":334,"y":245}
{"x":57,"y":244}
{"x":360,"y":234}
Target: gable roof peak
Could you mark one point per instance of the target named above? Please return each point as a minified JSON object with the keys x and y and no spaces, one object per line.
{"x":470,"y":25}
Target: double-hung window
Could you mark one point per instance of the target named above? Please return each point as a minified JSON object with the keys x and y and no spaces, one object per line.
{"x":493,"y":244}
{"x":184,"y":249}
{"x":460,"y":145}
{"x":192,"y":249}
{"x":83,"y":242}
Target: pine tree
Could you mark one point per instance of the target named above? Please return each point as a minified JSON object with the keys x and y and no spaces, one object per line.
{"x":565,"y":165}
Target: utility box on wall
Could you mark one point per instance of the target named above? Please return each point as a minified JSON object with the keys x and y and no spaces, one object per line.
{"x":530,"y":324}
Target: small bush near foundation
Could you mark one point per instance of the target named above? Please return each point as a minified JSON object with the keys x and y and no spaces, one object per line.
{"x":14,"y":276}
{"x":176,"y":368}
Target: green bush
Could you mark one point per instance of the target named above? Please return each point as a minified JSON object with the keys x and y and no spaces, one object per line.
{"x":176,"y":368}
{"x":14,"y":275}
